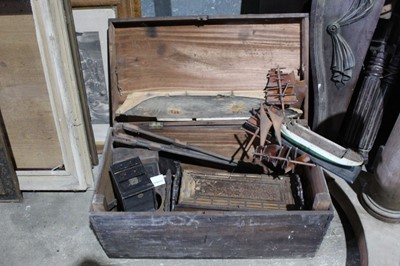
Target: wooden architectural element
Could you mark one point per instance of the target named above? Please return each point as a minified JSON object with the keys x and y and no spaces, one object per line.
{"x":125,"y":8}
{"x":9,"y":187}
{"x":343,"y":59}
{"x":24,"y":99}
{"x":366,"y":116}
{"x":75,"y":173}
{"x":338,"y":31}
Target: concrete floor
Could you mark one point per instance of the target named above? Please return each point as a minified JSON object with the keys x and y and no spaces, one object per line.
{"x":53,"y":229}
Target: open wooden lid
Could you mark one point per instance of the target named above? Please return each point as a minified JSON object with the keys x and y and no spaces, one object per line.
{"x":201,"y":55}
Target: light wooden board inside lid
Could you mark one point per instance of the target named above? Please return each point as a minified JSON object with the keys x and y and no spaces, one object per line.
{"x":192,"y":54}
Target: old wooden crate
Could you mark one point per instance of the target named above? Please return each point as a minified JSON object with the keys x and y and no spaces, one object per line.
{"x":202,"y":56}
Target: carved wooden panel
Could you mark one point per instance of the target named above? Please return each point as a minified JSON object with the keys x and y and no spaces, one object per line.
{"x":340,"y":35}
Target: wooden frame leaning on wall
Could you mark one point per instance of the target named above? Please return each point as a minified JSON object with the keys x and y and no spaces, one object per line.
{"x":57,"y":60}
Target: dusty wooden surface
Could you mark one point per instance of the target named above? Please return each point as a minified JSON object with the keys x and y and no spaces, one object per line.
{"x":201,"y":54}
{"x":210,"y":235}
{"x":24,"y":98}
{"x":205,"y":55}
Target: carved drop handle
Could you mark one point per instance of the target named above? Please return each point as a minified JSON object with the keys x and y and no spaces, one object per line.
{"x":343,"y":59}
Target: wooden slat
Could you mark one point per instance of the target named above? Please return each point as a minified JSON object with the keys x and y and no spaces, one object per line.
{"x":24,"y":99}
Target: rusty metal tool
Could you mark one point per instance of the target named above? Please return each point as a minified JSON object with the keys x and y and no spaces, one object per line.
{"x":187,"y":153}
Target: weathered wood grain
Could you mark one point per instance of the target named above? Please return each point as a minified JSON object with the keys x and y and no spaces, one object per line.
{"x":210,"y":234}
{"x":202,"y":54}
{"x":205,"y":55}
{"x":24,"y":99}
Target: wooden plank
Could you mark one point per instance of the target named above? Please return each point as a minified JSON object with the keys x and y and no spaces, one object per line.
{"x":9,"y":188}
{"x":24,"y":99}
{"x":217,"y":57}
{"x":210,"y":234}
{"x":201,"y":54}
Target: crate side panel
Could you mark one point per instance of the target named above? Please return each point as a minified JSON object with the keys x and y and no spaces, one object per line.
{"x":224,"y":235}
